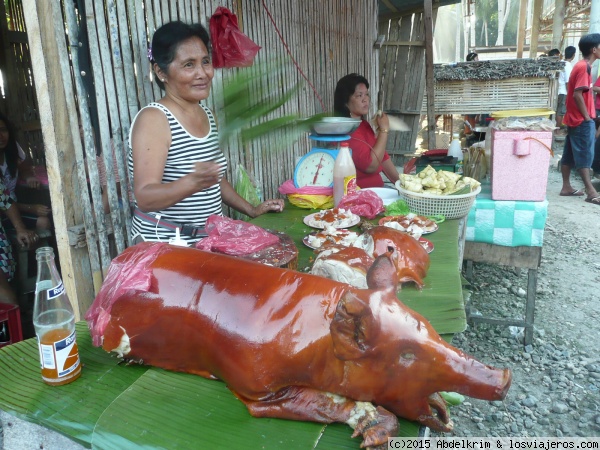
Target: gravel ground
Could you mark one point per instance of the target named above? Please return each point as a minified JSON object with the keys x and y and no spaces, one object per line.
{"x":556,"y":381}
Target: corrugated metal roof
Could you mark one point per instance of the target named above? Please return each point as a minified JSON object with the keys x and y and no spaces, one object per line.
{"x":391,"y":8}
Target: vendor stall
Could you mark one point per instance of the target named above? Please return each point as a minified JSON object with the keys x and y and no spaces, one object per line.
{"x":507,"y":233}
{"x":116,"y":406}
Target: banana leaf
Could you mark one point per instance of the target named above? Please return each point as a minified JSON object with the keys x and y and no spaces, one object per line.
{"x":130,"y":406}
{"x":440,"y":300}
{"x":250,"y":106}
{"x":113,"y":405}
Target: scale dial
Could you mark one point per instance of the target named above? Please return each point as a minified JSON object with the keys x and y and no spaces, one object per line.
{"x":315,"y":169}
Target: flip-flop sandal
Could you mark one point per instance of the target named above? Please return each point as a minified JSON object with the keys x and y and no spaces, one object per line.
{"x":593,"y":201}
{"x":575,"y":193}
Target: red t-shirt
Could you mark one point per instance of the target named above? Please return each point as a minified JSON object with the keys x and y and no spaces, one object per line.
{"x":580,"y":79}
{"x":597,"y":84}
{"x":361,"y":142}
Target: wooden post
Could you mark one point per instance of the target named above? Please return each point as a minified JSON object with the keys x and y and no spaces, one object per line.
{"x":428,"y":22}
{"x":522,"y":28}
{"x":557,"y":25}
{"x":59,"y":130}
{"x":535,"y":27}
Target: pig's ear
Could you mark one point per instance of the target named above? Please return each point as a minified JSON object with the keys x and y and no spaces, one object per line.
{"x":382,"y":273}
{"x":352,"y":328}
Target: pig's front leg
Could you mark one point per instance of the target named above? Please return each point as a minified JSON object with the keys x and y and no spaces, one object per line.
{"x":299,"y":403}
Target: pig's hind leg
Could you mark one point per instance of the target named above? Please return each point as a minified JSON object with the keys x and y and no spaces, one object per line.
{"x":299,"y":403}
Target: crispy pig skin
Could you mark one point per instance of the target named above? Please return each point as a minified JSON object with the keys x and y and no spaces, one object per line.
{"x":285,"y":341}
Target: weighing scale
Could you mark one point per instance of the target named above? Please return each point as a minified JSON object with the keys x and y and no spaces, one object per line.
{"x":316,"y":167}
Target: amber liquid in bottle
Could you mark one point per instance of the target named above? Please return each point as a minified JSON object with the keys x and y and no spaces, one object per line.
{"x":54,"y":323}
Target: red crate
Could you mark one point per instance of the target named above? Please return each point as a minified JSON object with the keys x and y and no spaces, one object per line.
{"x":10,"y":317}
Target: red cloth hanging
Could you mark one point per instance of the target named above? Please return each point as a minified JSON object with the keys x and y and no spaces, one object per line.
{"x":231,"y":47}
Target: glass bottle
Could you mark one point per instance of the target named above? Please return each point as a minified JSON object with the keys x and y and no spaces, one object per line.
{"x":54,"y":323}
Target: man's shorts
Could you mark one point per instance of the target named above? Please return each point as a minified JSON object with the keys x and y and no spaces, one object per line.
{"x":561,"y":109}
{"x":579,"y":146}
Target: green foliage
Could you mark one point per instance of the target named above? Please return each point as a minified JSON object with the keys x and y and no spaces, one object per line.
{"x":252,"y":99}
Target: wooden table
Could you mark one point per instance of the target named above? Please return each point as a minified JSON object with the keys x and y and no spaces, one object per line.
{"x":519,"y":257}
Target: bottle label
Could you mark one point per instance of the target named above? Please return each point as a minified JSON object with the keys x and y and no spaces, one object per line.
{"x":349,"y":184}
{"x":56,"y":291}
{"x":61,"y":356}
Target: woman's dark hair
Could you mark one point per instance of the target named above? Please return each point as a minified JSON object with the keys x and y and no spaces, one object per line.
{"x":471,"y":56}
{"x":11,"y":152}
{"x":344,"y":90}
{"x":588,"y":42}
{"x":167,"y":39}
{"x":570,"y":52}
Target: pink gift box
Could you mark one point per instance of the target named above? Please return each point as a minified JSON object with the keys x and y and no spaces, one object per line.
{"x":520,"y":161}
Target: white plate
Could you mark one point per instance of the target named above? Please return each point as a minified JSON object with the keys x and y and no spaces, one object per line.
{"x":426,"y":244}
{"x":430,"y":225}
{"x":308,"y":220}
{"x":387,"y":195}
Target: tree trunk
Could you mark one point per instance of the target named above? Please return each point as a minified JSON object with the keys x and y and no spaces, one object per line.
{"x":458,"y":21}
{"x":557,"y":25}
{"x":503,"y":12}
{"x":535,"y":27}
{"x":522,"y":28}
{"x":595,"y":17}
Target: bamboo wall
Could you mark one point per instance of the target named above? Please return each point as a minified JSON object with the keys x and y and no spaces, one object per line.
{"x":328,"y":39}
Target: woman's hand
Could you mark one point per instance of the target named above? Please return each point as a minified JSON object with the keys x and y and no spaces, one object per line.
{"x":26,"y":237}
{"x":205,"y":174}
{"x":33,"y":182}
{"x":39,"y":210}
{"x":383,"y":122}
{"x":275,"y":205}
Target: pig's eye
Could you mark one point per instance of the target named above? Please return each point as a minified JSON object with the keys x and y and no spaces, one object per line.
{"x":408,"y":356}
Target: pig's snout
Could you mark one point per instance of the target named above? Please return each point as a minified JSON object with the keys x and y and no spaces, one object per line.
{"x":505,"y":385}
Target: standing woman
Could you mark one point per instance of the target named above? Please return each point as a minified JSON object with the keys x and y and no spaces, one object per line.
{"x":352,"y":99}
{"x":175,"y":161}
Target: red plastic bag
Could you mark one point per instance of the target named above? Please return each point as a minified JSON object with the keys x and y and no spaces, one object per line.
{"x":125,"y":273}
{"x":231,"y":47}
{"x":234,"y":237}
{"x":362,"y":203}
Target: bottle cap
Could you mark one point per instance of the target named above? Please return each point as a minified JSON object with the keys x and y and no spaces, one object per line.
{"x":455,"y":135}
{"x":345,"y":144}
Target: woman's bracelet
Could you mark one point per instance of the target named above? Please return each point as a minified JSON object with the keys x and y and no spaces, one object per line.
{"x":384,"y":130}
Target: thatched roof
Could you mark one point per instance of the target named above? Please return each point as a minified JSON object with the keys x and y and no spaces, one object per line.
{"x":544,"y":67}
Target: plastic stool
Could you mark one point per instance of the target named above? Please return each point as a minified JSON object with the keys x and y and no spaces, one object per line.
{"x":10,"y":324}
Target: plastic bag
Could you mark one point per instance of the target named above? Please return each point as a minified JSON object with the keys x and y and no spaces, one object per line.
{"x":310,"y":201}
{"x":362,"y":203}
{"x":289,"y":187}
{"x":128,"y":271}
{"x":309,"y":197}
{"x":246,"y":188}
{"x":231,"y":47}
{"x":234,"y":237}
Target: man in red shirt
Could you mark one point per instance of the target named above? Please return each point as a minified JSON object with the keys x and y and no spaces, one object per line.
{"x":579,"y":144}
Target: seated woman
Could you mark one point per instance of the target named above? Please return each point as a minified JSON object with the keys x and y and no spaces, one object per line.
{"x":175,"y":161}
{"x":351,"y":99}
{"x":24,"y":237}
{"x":15,"y":165}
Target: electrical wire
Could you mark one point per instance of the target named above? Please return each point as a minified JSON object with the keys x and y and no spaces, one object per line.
{"x":291,"y":56}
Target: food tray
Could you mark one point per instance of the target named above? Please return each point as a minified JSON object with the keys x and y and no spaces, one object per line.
{"x":451,"y":206}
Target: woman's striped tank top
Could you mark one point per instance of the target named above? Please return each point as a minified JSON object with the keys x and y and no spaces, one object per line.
{"x":184,"y":152}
